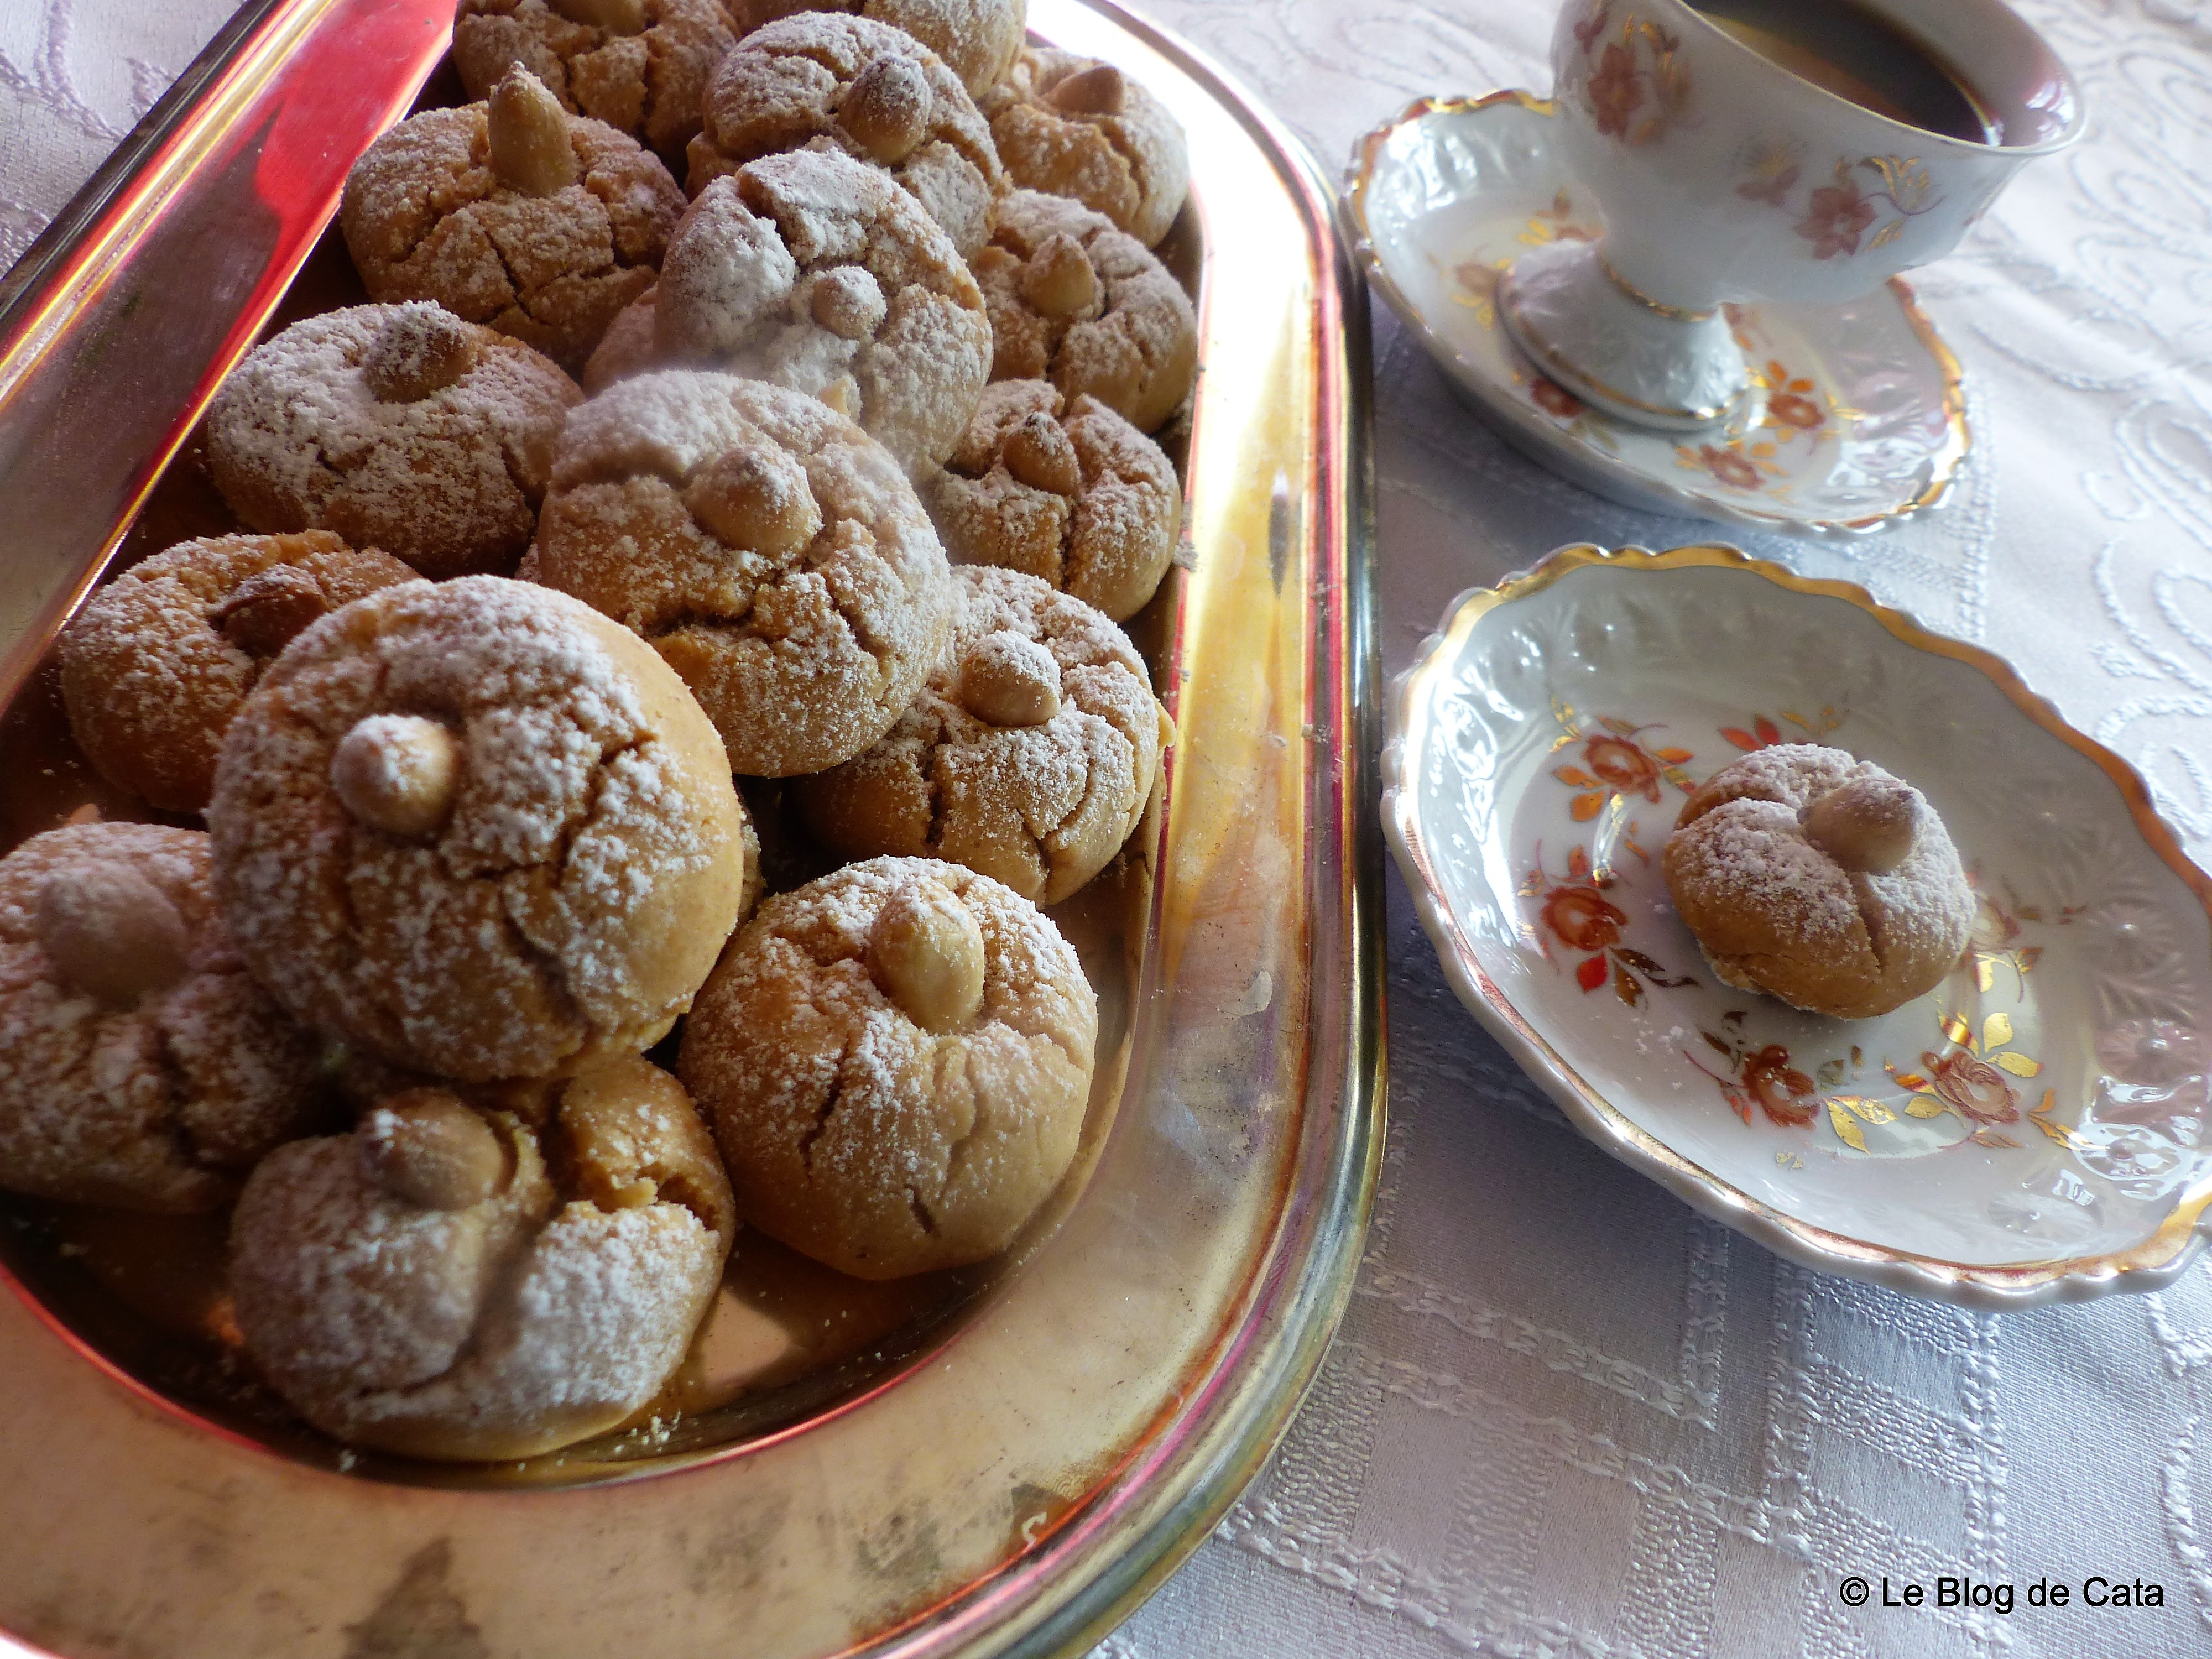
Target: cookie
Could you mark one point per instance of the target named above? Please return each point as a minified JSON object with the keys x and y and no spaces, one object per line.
{"x":1028,"y":756}
{"x":631,"y":345}
{"x":895,"y":1059}
{"x":1820,"y":879}
{"x":864,"y":87}
{"x":1077,"y":127}
{"x":140,"y":1065}
{"x":772,"y":552}
{"x":641,"y":66}
{"x":513,"y":214}
{"x":1077,"y":302}
{"x":979,"y":39}
{"x":479,"y":830}
{"x":1073,"y":494}
{"x":157,"y":663}
{"x":813,"y":271}
{"x":458,"y":1282}
{"x":398,"y":427}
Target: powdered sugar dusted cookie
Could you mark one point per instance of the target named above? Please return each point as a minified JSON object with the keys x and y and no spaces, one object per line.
{"x":773,"y":553}
{"x":1077,"y":127}
{"x":398,"y":427}
{"x":896,"y":1059}
{"x":1077,"y":302}
{"x":1028,"y":756}
{"x":510,"y":213}
{"x":868,"y":89}
{"x":979,"y":39}
{"x":815,"y":272}
{"x":140,"y":1065}
{"x":451,"y":1280}
{"x":157,"y":663}
{"x":641,"y":66}
{"x":1820,"y":879}
{"x":479,"y":831}
{"x":1075,"y":496}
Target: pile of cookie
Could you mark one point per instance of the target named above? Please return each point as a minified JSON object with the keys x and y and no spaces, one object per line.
{"x":618,"y":493}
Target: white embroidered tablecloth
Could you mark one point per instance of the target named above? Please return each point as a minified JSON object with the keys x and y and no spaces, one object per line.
{"x":1566,"y":1415}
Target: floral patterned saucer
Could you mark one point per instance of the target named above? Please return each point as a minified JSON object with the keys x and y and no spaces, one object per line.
{"x":1854,"y":419}
{"x":2035,"y":1129}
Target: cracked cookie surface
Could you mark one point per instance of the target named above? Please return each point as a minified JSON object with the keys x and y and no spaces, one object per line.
{"x":1077,"y":302}
{"x":141,"y":1066}
{"x":485,"y":1274}
{"x":769,"y":548}
{"x":1069,"y":493}
{"x":428,"y":216}
{"x":896,"y":1060}
{"x":317,"y":430}
{"x":1818,"y":880}
{"x":866,"y":89}
{"x":1028,"y":756}
{"x":978,"y":39}
{"x":157,"y":663}
{"x":479,"y":830}
{"x":811,"y":272}
{"x":1077,"y":127}
{"x":641,"y":66}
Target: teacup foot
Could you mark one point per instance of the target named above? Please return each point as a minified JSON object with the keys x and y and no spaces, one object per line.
{"x":1619,"y":350}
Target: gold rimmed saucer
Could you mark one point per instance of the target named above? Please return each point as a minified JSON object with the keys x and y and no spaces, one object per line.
{"x":1854,"y":419}
{"x":2036,"y":1129}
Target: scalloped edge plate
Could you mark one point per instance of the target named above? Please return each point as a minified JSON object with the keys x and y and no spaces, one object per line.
{"x":1855,"y":419}
{"x":2034,"y":1130}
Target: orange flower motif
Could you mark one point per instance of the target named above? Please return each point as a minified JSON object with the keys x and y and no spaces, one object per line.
{"x":1615,"y":91}
{"x":1728,"y":467}
{"x":1785,"y":1094}
{"x":1792,"y":409}
{"x":1587,"y":31}
{"x":1624,"y":765}
{"x":1977,"y":1088}
{"x":1583,"y":918}
{"x":1555,"y":399}
{"x":1835,"y":219}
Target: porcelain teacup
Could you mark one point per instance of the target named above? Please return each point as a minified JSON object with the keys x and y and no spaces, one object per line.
{"x":1725,"y":178}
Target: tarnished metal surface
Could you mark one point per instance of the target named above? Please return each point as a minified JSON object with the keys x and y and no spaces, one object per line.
{"x":1022,"y":1472}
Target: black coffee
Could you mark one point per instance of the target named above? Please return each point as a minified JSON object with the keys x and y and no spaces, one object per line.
{"x":1847,"y":49}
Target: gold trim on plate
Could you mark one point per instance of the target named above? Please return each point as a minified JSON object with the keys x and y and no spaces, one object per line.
{"x":2166,"y":1248}
{"x":1945,"y":468}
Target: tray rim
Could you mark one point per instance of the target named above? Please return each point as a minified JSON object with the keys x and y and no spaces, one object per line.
{"x":1958,"y":452}
{"x":1303,"y":1295}
{"x":2151,"y":1264}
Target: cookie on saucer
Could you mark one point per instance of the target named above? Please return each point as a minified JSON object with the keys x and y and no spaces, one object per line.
{"x":1820,"y":879}
{"x":896,"y":1059}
